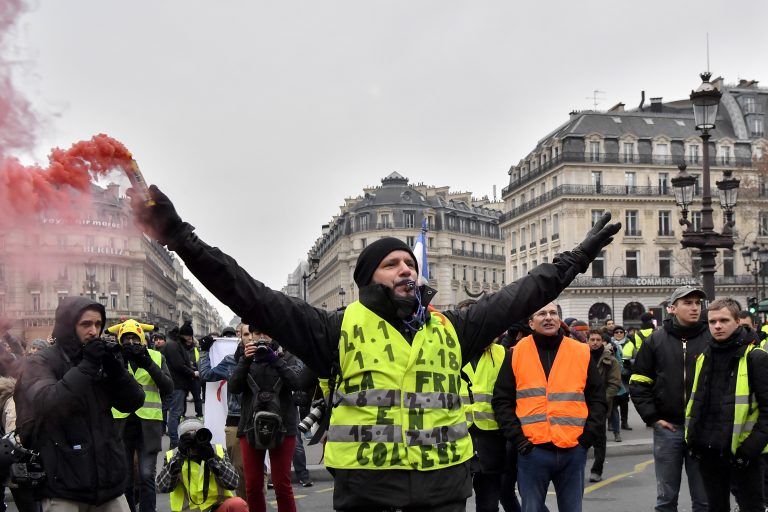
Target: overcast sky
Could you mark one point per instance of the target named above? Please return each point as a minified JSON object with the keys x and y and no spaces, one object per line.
{"x":259,"y":118}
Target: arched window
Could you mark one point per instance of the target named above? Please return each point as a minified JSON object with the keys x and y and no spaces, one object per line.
{"x":631,"y":315}
{"x":598,"y":313}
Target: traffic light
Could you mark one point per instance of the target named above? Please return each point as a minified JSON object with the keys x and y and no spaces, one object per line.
{"x":752,"y":305}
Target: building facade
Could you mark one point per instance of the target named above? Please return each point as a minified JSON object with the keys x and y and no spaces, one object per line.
{"x":623,"y":161}
{"x":465,"y":250}
{"x":98,"y":254}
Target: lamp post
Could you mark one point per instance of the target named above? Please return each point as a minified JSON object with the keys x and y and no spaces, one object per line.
{"x":705,"y":101}
{"x":90,"y":278}
{"x":613,"y":304}
{"x":314,"y":264}
{"x":342,"y":293}
{"x":150,"y":299}
{"x":323,"y":305}
{"x":755,"y":259}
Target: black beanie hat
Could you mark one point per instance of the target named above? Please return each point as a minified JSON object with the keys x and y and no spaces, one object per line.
{"x":371,"y":256}
{"x":186,"y":329}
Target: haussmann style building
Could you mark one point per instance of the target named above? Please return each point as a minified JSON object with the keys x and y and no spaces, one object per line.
{"x":622,"y":161}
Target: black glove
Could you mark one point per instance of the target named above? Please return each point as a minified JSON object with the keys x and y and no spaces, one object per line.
{"x":598,"y":237}
{"x":525,"y":447}
{"x":269,"y":355}
{"x":159,"y":220}
{"x":93,"y":353}
{"x":141,"y":356}
{"x":740,"y":460}
{"x":206,"y":452}
{"x":112,"y":365}
{"x":206,"y":342}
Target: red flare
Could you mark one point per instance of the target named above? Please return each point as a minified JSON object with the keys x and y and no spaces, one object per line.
{"x":29,"y":190}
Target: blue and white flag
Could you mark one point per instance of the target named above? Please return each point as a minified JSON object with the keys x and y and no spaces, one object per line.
{"x":420,"y":251}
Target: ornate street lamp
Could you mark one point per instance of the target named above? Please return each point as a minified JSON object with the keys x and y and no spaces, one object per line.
{"x":705,"y":101}
{"x":314,"y":264}
{"x":728,"y":190}
{"x":342,"y":293}
{"x":755,"y":259}
{"x":90,"y":278}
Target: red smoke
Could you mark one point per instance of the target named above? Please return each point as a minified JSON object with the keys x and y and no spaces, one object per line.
{"x":63,"y":186}
{"x":17,"y":121}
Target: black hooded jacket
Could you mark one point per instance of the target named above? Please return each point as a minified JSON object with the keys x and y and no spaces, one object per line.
{"x":712,"y":411}
{"x":66,"y":414}
{"x":662,"y":376}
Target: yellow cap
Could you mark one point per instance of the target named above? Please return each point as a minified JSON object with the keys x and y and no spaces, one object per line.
{"x":131,"y":326}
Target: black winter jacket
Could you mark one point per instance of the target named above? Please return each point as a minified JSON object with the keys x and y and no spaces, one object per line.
{"x":505,"y":391}
{"x":179,"y":363}
{"x":66,"y":415}
{"x":712,"y":411}
{"x":312,"y":334}
{"x":265,"y":375}
{"x":661,"y":383}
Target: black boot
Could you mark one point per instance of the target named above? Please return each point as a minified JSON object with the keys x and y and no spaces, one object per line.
{"x":625,"y":426}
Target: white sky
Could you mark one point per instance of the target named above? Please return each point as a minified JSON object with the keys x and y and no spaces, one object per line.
{"x":258,"y":118}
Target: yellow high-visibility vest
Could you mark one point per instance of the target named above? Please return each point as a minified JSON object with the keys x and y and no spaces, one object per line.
{"x":153,"y":405}
{"x":744,"y":416}
{"x":483,"y":378}
{"x":398,"y":404}
{"x":188,"y":494}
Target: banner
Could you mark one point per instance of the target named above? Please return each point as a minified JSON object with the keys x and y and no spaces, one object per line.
{"x":216,"y":392}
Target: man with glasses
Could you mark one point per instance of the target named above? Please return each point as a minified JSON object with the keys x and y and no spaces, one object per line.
{"x":549,"y":401}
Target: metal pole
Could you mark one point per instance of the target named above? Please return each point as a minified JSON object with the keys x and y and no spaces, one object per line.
{"x":707,"y":225}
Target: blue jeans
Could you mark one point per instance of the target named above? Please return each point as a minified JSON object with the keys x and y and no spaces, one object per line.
{"x":134,"y":444}
{"x":669,"y":455}
{"x":300,"y":460}
{"x":563,"y":467}
{"x":178,"y":408}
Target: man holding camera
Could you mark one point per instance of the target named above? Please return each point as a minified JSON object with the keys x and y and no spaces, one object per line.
{"x":398,"y":435}
{"x":63,"y":401}
{"x":199,"y":475}
{"x":142,"y":430}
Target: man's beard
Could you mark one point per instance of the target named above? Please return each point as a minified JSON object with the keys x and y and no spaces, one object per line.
{"x":405,"y":307}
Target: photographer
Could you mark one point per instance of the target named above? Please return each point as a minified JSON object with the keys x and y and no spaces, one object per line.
{"x":63,"y":401}
{"x":142,"y":431}
{"x":266,"y":376}
{"x":188,"y":469}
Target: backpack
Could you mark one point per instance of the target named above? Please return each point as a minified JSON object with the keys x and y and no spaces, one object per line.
{"x":266,"y":430}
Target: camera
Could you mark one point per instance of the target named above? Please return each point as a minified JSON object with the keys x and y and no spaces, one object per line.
{"x":112,"y":346}
{"x":25,"y":465}
{"x":315,"y":414}
{"x":262,"y":346}
{"x":200,"y":439}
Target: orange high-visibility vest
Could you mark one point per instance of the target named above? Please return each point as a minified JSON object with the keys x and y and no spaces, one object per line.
{"x":551,"y":410}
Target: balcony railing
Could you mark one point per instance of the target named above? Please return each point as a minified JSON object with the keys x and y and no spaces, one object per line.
{"x":633,"y":232}
{"x":665,"y":232}
{"x":645,"y":281}
{"x":555,"y":236}
{"x":589,"y":190}
{"x":619,"y":158}
{"x":479,"y":255}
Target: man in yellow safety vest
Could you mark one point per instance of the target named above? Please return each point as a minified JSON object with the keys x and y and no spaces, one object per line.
{"x":199,"y":475}
{"x":398,"y":435}
{"x":142,"y":430}
{"x":726,"y":419}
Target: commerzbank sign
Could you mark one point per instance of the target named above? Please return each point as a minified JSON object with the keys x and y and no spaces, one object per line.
{"x":663,"y":281}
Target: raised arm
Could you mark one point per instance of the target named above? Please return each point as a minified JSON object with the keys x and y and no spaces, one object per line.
{"x":310,"y":333}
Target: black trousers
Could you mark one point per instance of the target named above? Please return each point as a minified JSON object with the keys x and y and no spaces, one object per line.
{"x":599,"y":446}
{"x":718,"y":476}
